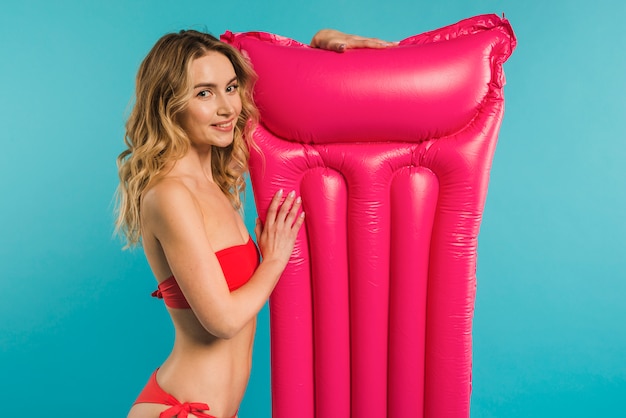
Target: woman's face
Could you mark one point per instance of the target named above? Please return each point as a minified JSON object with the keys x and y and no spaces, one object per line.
{"x":215,"y":104}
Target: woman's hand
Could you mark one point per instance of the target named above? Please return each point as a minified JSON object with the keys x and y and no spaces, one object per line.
{"x":335,"y":40}
{"x":277,"y":237}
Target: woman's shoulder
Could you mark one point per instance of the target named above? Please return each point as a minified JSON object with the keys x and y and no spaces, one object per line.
{"x":169,"y":194}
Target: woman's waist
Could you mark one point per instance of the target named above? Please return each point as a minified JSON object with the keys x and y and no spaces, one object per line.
{"x":217,"y":373}
{"x":217,"y":377}
{"x":207,"y":354}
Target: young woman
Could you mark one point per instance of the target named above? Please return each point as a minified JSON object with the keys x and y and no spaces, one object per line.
{"x":181,"y":178}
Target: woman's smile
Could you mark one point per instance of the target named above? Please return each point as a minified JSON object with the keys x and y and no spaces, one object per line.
{"x":215,"y":103}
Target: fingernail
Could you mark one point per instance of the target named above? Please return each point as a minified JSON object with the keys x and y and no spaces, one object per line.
{"x":280,"y":192}
{"x":292,"y":193}
{"x":299,"y":199}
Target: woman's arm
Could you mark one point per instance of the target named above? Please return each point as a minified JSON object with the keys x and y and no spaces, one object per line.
{"x":173,"y":217}
{"x":335,"y":40}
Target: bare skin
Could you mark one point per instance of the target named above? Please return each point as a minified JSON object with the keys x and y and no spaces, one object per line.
{"x":211,"y":358}
{"x":186,"y":219}
{"x":335,"y":40}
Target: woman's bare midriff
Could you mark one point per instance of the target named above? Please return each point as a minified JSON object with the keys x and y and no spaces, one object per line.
{"x":203,"y":368}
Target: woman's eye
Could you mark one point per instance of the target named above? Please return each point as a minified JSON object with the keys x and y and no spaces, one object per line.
{"x":204,"y":93}
{"x":232,"y":88}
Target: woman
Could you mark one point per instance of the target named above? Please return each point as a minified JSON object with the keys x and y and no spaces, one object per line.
{"x":181,"y":178}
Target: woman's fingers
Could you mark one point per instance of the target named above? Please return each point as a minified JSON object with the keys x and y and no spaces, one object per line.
{"x":272,"y":210}
{"x":286,"y":206}
{"x":258,"y":228}
{"x":293,"y":212}
{"x":359,"y":42}
{"x":299,"y":221}
{"x":283,"y":213}
{"x":277,"y":235}
{"x":335,"y":40}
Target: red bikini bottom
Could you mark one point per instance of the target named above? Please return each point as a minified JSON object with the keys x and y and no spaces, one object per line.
{"x":153,"y":393}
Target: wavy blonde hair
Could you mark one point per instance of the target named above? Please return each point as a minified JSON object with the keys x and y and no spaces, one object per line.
{"x":154,"y":136}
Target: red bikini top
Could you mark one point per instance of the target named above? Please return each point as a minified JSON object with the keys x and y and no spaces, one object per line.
{"x":238,"y":264}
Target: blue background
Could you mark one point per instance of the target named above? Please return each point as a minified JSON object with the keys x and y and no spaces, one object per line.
{"x":78,"y":330}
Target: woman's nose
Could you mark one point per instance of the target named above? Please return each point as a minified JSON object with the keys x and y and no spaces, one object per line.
{"x":226,"y":105}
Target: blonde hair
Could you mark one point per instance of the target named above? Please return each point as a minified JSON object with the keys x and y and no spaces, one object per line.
{"x":154,"y":137}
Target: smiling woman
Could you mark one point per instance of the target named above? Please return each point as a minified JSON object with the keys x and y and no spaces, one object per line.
{"x":187,"y":152}
{"x":181,"y":177}
{"x":212,"y":111}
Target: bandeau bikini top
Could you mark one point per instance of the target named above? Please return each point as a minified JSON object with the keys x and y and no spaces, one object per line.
{"x":238,"y":264}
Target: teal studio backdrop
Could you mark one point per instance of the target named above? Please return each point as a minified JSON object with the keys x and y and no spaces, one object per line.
{"x":79,"y":333}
